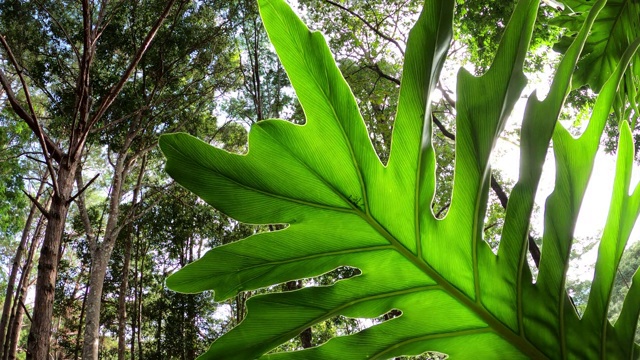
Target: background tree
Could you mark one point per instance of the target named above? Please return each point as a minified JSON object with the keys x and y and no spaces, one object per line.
{"x":39,"y":21}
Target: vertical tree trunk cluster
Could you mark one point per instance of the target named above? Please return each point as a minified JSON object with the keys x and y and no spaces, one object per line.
{"x":62,"y":166}
{"x":13,"y":310}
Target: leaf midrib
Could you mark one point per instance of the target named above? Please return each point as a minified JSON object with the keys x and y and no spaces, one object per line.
{"x":519,"y":342}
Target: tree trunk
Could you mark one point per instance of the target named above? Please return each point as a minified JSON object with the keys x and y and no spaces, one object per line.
{"x":39,"y":335}
{"x":124,"y":285}
{"x":100,"y":256}
{"x":306,"y":335}
{"x":94,"y":301}
{"x":134,"y":309}
{"x":76,"y":353}
{"x":15,"y":322}
{"x":122,"y":301}
{"x":141,"y":255}
{"x":191,"y":331}
{"x":159,"y":328}
{"x":6,"y":309}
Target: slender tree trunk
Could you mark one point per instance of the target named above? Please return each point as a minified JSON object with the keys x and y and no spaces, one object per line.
{"x":306,"y":336}
{"x":191,"y":332}
{"x":134,"y":309}
{"x":124,"y":285}
{"x":91,"y":343}
{"x":83,"y":121}
{"x":6,"y":309}
{"x":122,"y":301}
{"x":40,"y":333}
{"x":159,"y":328}
{"x":100,"y":255}
{"x":15,"y":322}
{"x":76,"y":353}
{"x":140,"y":306}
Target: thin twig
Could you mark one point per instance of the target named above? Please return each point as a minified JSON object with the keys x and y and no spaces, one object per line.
{"x":445,"y":207}
{"x":446,"y":95}
{"x":26,"y":311}
{"x":64,"y":31}
{"x":18,"y":68}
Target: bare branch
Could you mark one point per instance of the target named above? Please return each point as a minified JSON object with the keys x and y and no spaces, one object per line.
{"x":369,"y":25}
{"x":35,"y":202}
{"x":446,"y":95}
{"x":151,"y":200}
{"x":49,"y":148}
{"x":64,"y":31}
{"x":18,"y":68}
{"x":445,"y":207}
{"x":442,"y":129}
{"x":26,"y":311}
{"x":115,"y":90}
{"x":79,"y":193}
{"x":382,"y":74}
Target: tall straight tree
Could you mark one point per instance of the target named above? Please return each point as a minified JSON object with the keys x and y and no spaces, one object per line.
{"x":38,"y":37}
{"x":173,"y":88}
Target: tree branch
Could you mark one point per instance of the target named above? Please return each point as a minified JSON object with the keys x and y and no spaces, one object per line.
{"x":115,"y":90}
{"x":79,"y":193}
{"x":369,"y":25}
{"x":442,"y":129}
{"x":446,"y":95}
{"x":382,"y":74}
{"x":84,"y":215}
{"x":49,"y":148}
{"x":35,"y":202}
{"x":26,"y":311}
{"x":64,"y":31}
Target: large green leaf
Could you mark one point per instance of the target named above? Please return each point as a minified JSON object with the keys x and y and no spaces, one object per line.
{"x":616,"y":27}
{"x":344,"y":208}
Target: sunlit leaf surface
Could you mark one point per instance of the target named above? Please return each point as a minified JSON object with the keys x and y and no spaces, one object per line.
{"x":344,"y":208}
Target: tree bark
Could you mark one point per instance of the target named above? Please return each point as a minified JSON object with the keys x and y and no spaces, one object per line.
{"x":39,"y":335}
{"x":134,"y":309}
{"x":94,"y":301}
{"x":100,"y":255}
{"x":122,"y":302}
{"x":124,"y":285}
{"x":83,"y":120}
{"x":140,"y":304}
{"x":76,"y":353}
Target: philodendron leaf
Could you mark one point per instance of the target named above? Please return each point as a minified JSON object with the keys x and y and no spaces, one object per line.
{"x":343,"y":207}
{"x":616,"y":27}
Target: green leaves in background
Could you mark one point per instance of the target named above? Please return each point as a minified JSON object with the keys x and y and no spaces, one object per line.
{"x":344,"y":208}
{"x":616,"y":27}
